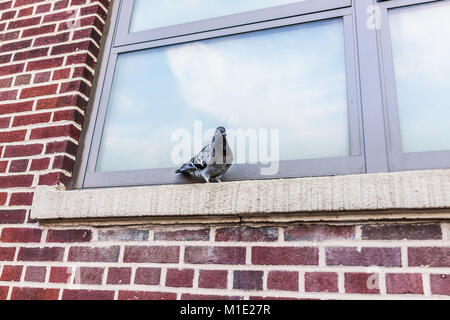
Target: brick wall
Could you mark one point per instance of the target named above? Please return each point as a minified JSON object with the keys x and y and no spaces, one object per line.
{"x":48,"y":55}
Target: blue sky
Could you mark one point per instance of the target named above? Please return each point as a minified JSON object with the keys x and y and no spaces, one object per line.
{"x":291,"y":78}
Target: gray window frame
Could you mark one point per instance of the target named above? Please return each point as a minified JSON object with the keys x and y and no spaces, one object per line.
{"x":370,"y":124}
{"x":398,"y":160}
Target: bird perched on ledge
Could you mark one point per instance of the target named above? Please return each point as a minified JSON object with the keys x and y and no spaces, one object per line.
{"x":212,"y":161}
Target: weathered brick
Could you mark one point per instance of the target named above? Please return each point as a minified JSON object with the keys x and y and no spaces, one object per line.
{"x":404,"y":283}
{"x":285,"y":255}
{"x":123,"y":235}
{"x":11,"y":273}
{"x":282,"y":280}
{"x":61,"y":146}
{"x":23,"y":235}
{"x":248,"y":280}
{"x":247,"y":234}
{"x":350,"y":256}
{"x":319,"y":233}
{"x":35,"y":274}
{"x":440,"y":284}
{"x":8,"y":95}
{"x":69,"y":235}
{"x":12,"y":216}
{"x":429,"y":256}
{"x":362,"y":283}
{"x":213,"y":279}
{"x":18,"y":165}
{"x":34,"y":294}
{"x":147,"y":276}
{"x":402,"y":231}
{"x":24,"y":23}
{"x":21,"y":199}
{"x":64,"y":163}
{"x":22,"y":80}
{"x":60,"y":274}
{"x":72,"y":294}
{"x":52,"y":39}
{"x":215,"y":255}
{"x":40,"y":164}
{"x":119,"y":276}
{"x":7,"y":254}
{"x":183,"y":235}
{"x":180,"y":278}
{"x":23,"y":150}
{"x":321,"y":282}
{"x":42,"y":77}
{"x":145,"y":295}
{"x":89,"y":275}
{"x":39,"y":30}
{"x":154,"y":254}
{"x":88,"y":254}
{"x":41,"y":254}
{"x":30,"y":54}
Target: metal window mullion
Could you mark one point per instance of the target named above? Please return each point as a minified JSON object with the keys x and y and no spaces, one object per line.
{"x":376,"y":156}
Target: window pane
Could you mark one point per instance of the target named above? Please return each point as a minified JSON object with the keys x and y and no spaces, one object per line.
{"x":149,"y":14}
{"x":291,"y":78}
{"x":421,"y":51}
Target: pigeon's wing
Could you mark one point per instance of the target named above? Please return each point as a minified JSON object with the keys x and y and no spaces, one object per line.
{"x":198,"y":162}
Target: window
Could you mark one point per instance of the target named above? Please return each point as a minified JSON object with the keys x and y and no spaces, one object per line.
{"x":333,"y":84}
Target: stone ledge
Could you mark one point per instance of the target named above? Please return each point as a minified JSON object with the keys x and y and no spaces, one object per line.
{"x":398,"y":195}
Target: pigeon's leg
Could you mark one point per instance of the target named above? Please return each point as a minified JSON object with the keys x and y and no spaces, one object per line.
{"x":218,"y":179}
{"x":205,"y":176}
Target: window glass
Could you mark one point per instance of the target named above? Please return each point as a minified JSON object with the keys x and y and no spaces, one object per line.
{"x":421,"y":52}
{"x":149,"y":14}
{"x":290,"y":79}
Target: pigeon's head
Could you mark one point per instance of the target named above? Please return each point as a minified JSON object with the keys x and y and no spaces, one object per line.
{"x":220,"y":131}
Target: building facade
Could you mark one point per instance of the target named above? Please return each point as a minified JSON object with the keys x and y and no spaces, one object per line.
{"x":365,"y":216}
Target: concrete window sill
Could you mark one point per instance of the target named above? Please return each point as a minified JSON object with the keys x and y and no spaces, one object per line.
{"x":385,"y":196}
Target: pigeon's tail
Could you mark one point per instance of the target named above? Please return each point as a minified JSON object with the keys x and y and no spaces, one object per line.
{"x":186,"y":168}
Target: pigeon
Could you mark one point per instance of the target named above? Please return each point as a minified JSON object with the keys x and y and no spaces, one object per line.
{"x":212,"y":161}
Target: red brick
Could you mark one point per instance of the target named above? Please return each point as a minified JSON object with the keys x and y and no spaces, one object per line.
{"x":3,"y":290}
{"x":11,"y":273}
{"x":213,"y":279}
{"x":148,"y":276}
{"x":183,"y":235}
{"x":6,"y":83}
{"x":40,"y":164}
{"x":39,"y":91}
{"x":16,"y":181}
{"x":41,"y":254}
{"x":5,"y":5}
{"x":180,"y":278}
{"x":247,"y":234}
{"x":69,"y":294}
{"x":75,"y":86}
{"x":60,"y":274}
{"x":53,"y":132}
{"x":12,"y":216}
{"x":5,"y":58}
{"x":35,"y":274}
{"x":38,"y":30}
{"x":88,"y":254}
{"x":83,"y":72}
{"x":282,"y":280}
{"x":8,"y":95}
{"x":61,"y":101}
{"x":88,"y":275}
{"x":404,"y":283}
{"x":215,"y":255}
{"x":43,"y":8}
{"x":440,"y":284}
{"x":123,"y":235}
{"x":30,"y":54}
{"x":9,"y":108}
{"x":69,"y":235}
{"x":402,"y":231}
{"x":58,"y":16}
{"x":23,"y":235}
{"x":74,"y":47}
{"x":23,"y":150}
{"x":61,"y":147}
{"x":248,"y":280}
{"x":44,"y":64}
{"x":155,"y":254}
{"x":17,"y":45}
{"x":4,"y":122}
{"x":3,"y":166}
{"x":3,"y":197}
{"x":64,"y":163}
{"x":21,"y":199}
{"x":429,"y":256}
{"x":53,"y":179}
{"x":285,"y":255}
{"x":52,"y":39}
{"x":25,"y":12}
{"x":7,"y":254}
{"x":94,"y":9}
{"x":8,"y":15}
{"x":61,"y":74}
{"x":42,"y":77}
{"x":189,"y":296}
{"x":11,"y":69}
{"x":318,"y":233}
{"x":20,"y":3}
{"x":321,"y":282}
{"x":22,"y":80}
{"x":80,"y":58}
{"x":34,"y":294}
{"x":361,"y":283}
{"x":349,"y":256}
{"x":119,"y":276}
{"x":144,"y":295}
{"x":61,"y":4}
{"x":24,"y":23}
{"x":18,"y":165}
{"x":12,"y":136}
